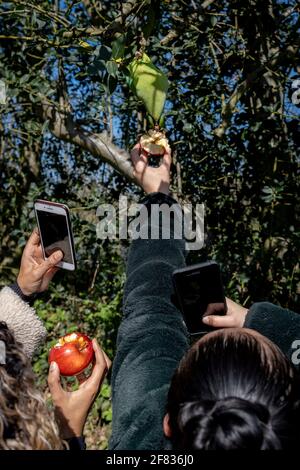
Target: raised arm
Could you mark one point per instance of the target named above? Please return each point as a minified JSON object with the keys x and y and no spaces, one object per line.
{"x":152,"y":337}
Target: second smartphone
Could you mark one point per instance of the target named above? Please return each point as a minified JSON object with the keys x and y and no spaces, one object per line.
{"x":199,"y":290}
{"x":55,"y":231}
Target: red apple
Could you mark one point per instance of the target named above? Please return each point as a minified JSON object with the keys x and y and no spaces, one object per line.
{"x":72,"y":353}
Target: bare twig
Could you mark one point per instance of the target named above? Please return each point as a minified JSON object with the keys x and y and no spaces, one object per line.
{"x":49,"y":14}
{"x":215,"y":57}
{"x":23,"y":38}
{"x":110,"y":118}
{"x":179,"y":180}
{"x":172,"y":34}
{"x":94,"y":277}
{"x":128,"y":8}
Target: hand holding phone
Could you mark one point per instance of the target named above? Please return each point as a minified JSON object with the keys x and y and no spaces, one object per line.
{"x":35,"y":272}
{"x":199,"y":291}
{"x":234,"y":318}
{"x":55,"y":230}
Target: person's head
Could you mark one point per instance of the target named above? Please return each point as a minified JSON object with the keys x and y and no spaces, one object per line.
{"x":25,"y":422}
{"x":234,"y":389}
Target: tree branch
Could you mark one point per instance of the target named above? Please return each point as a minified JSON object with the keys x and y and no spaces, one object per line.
{"x":172,"y":34}
{"x":229,"y":108}
{"x":128,"y":8}
{"x":116,"y":25}
{"x":65,"y":128}
{"x":49,"y":14}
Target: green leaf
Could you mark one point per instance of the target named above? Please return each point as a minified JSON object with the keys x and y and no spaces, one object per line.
{"x":149,"y":84}
{"x":40,"y":23}
{"x":96,"y":67}
{"x":112,"y":68}
{"x":213,"y":20}
{"x":107,"y":415}
{"x":118,"y":47}
{"x":267,"y":190}
{"x":105,"y":391}
{"x":162,"y":121}
{"x":24,"y":79}
{"x":103,"y":52}
{"x":188,"y":128}
{"x":150,"y":121}
{"x":112,"y":83}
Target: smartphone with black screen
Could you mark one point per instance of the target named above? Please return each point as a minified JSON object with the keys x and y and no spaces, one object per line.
{"x":199,"y":290}
{"x":54,"y":225}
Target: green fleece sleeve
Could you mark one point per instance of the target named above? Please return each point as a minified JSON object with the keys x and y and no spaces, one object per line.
{"x":280,"y":325}
{"x":152,"y":339}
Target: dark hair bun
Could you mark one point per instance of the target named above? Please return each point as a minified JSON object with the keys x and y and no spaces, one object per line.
{"x":229,"y":423}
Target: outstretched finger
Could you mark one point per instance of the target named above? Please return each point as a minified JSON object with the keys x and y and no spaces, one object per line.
{"x":107,"y":360}
{"x":101,"y":366}
{"x":139,"y":160}
{"x":33,"y":241}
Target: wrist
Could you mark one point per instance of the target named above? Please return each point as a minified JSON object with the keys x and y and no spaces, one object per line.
{"x":22,"y":293}
{"x":67,"y":429}
{"x":163,"y":188}
{"x":158,"y":198}
{"x":26,"y":292}
{"x":69,"y":434}
{"x":243,"y":319}
{"x":76,"y":443}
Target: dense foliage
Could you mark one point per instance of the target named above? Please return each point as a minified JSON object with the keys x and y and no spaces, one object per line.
{"x":232,"y":117}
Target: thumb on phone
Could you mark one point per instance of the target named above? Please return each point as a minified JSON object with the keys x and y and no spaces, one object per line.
{"x":50,"y":262}
{"x":219,"y":321}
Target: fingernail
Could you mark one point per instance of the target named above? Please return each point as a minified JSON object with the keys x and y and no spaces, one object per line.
{"x":206,"y":320}
{"x":53,"y":366}
{"x":58,"y":255}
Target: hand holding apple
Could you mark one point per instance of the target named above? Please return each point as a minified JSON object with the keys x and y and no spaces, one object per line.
{"x":149,"y":178}
{"x":72,"y":353}
{"x":154,"y":142}
{"x":71,"y":408}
